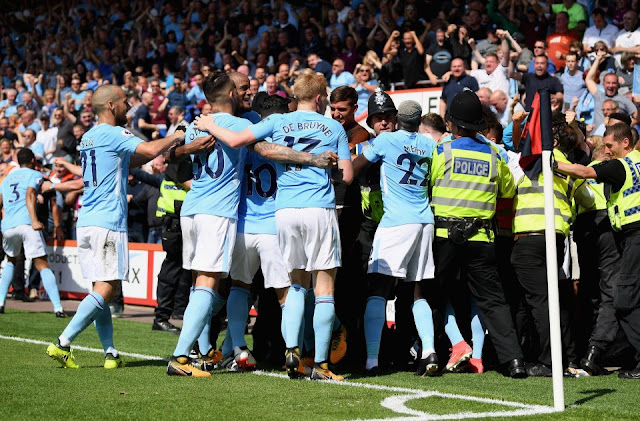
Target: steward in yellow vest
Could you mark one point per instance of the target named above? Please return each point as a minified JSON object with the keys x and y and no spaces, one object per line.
{"x":468,"y":176}
{"x":529,"y":251}
{"x":622,"y":174}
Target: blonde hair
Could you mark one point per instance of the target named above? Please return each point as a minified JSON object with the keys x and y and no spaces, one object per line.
{"x":372,"y":57}
{"x":597,"y":144}
{"x":307,"y":86}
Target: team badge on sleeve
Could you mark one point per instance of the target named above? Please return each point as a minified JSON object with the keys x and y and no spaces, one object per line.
{"x":126,"y":133}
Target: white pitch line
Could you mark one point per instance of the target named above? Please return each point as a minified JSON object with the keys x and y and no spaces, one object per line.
{"x":84,"y":348}
{"x":395,"y":403}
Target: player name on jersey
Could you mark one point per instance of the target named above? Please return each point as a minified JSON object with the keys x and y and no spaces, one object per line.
{"x":308,"y":125}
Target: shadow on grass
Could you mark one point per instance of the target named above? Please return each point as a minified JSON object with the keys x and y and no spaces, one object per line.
{"x":593,"y":394}
{"x":146,"y":363}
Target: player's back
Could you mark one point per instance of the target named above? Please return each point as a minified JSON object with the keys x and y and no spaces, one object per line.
{"x":301,"y":186}
{"x":14,"y":192}
{"x":215,"y":188}
{"x":105,"y":153}
{"x":256,"y":213}
{"x":404,"y":176}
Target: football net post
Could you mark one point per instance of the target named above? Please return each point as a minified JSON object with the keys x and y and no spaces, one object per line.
{"x":550,"y":240}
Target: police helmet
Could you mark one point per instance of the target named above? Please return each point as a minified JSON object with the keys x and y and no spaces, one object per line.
{"x":465,"y":111}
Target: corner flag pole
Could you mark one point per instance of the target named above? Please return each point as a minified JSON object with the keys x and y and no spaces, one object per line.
{"x":550,"y":239}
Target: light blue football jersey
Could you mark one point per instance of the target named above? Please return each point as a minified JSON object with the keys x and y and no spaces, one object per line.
{"x":256,"y":213}
{"x":14,"y":191}
{"x":404,"y":176}
{"x":217,"y":174}
{"x":105,"y":152}
{"x":301,"y":186}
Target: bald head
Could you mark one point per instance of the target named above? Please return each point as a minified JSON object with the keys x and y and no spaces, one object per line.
{"x":499,"y":101}
{"x":104,"y":95}
{"x":110,"y":104}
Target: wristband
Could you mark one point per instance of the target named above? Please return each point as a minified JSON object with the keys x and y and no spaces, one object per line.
{"x":52,"y":186}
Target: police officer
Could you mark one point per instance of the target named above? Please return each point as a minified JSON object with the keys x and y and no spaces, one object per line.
{"x":599,"y":260}
{"x":468,"y":176}
{"x":623,"y":175}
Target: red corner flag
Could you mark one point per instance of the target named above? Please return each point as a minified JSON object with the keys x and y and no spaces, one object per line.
{"x":531,"y":146}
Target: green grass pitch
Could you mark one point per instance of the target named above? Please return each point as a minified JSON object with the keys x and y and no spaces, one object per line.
{"x":32,"y":386}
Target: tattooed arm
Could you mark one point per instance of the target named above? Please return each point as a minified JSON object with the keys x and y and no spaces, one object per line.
{"x":280,"y":153}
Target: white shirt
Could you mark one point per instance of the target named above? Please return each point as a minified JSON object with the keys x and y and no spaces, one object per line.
{"x":494,"y":81}
{"x":607,"y":34}
{"x":172,"y":128}
{"x":626,"y":40}
{"x":505,"y":117}
{"x":49,"y":139}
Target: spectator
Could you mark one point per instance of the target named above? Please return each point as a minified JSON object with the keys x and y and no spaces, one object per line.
{"x":473,"y":20}
{"x":29,"y":122}
{"x":491,"y":43}
{"x":628,"y":39}
{"x":573,"y":9}
{"x":176,"y":118}
{"x":438,"y":59}
{"x":456,"y":83}
{"x":5,"y":132}
{"x":364,"y":86}
{"x":540,"y":79}
{"x":410,"y":56}
{"x":76,"y":96}
{"x":142,"y":117}
{"x":610,"y":84}
{"x":599,"y":31}
{"x":48,"y":138}
{"x":176,"y":96}
{"x":493,"y":75}
{"x":504,"y":107}
{"x":196,"y":94}
{"x":572,"y":80}
{"x":484,"y":95}
{"x":625,"y":73}
{"x":609,"y":107}
{"x":29,"y":141}
{"x":540,"y":49}
{"x":8,"y":106}
{"x":158,"y":118}
{"x":272,"y":87}
{"x":559,"y":41}
{"x":339,"y":76}
{"x":318,"y":65}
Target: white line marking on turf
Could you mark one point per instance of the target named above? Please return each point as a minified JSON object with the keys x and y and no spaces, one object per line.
{"x":84,"y":348}
{"x":395,"y":403}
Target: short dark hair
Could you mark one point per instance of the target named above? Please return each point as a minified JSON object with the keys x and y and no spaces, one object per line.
{"x":564,"y":135}
{"x":273,"y":104}
{"x":216,"y":85}
{"x":619,"y":131}
{"x":434,"y":121}
{"x":598,"y":12}
{"x":344,"y":93}
{"x":25,"y":155}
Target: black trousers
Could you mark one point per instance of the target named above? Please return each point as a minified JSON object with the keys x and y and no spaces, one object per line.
{"x":173,"y":281}
{"x":530,"y":264}
{"x":478,"y":261}
{"x":514,"y":294}
{"x":626,"y":295}
{"x":599,"y":259}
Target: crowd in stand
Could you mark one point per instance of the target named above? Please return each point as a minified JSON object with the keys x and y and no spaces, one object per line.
{"x":53,"y":59}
